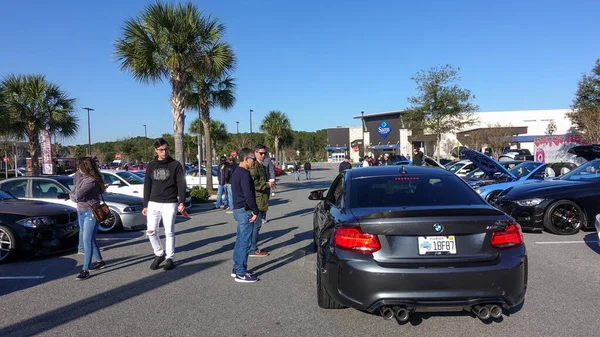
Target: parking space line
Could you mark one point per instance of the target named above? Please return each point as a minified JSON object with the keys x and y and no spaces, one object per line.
{"x":114,"y":239}
{"x":560,"y":242}
{"x":21,"y":277}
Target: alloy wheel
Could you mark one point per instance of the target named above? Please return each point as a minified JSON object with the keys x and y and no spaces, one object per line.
{"x":5,"y":244}
{"x":566,"y":218}
{"x":109,"y":223}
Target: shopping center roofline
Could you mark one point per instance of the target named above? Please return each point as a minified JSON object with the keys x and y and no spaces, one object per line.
{"x":380,"y":114}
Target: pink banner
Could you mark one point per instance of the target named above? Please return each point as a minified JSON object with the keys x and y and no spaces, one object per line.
{"x":553,"y":148}
{"x":46,"y":146}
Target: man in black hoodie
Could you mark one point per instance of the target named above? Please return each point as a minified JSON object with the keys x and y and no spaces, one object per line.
{"x":164,"y":196}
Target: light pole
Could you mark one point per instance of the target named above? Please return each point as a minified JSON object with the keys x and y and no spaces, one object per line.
{"x":237,"y":124}
{"x":145,"y":136}
{"x":251,"y":128}
{"x":89,"y":134}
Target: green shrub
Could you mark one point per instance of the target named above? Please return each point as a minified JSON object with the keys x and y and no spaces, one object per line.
{"x":199,"y":194}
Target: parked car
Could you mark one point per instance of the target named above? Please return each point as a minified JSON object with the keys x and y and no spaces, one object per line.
{"x":561,"y":206}
{"x":129,"y":183}
{"x":125,"y":210}
{"x":278,"y":171}
{"x":462,"y":167}
{"x":478,"y":175}
{"x":35,"y":227}
{"x":516,"y":154}
{"x":192,"y":177}
{"x":398,"y":240}
{"x":141,"y":174}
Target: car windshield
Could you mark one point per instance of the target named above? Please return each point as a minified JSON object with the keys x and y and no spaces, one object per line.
{"x":455,"y":167}
{"x":589,"y":170}
{"x":131,"y":178}
{"x":402,"y":191}
{"x":66,"y":181}
{"x":475,"y":174}
{"x":5,"y":196}
{"x":524,"y":169}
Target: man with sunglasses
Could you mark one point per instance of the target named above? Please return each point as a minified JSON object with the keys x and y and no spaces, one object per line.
{"x":262,"y":189}
{"x":245,"y":212}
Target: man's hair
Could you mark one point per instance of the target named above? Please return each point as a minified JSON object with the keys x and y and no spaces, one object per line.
{"x":223,"y":160}
{"x":259,"y":147}
{"x":245,"y":152}
{"x":160,"y":142}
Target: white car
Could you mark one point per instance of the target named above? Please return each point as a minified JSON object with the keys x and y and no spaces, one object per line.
{"x":462,"y":167}
{"x":125,"y":182}
{"x":192,"y":177}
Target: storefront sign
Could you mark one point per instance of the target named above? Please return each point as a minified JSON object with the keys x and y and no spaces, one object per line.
{"x":384,"y":129}
{"x":550,"y":149}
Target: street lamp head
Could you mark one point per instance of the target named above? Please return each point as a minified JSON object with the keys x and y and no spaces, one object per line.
{"x":88,"y":109}
{"x":251,"y":110}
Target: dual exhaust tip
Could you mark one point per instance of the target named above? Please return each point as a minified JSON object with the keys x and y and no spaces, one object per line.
{"x":483,"y":312}
{"x":402,"y":314}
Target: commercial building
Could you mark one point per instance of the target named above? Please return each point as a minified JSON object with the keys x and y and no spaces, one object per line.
{"x":386,"y":132}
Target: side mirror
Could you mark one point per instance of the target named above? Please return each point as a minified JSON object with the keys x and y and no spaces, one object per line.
{"x":116,"y":183}
{"x":317,"y":195}
{"x":64,"y":196}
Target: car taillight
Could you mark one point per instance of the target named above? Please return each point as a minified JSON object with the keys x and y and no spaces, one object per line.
{"x":511,"y":236}
{"x":352,"y":238}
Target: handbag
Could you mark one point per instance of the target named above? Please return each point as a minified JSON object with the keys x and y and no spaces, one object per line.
{"x":101,"y":211}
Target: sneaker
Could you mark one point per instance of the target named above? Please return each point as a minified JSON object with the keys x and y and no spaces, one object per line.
{"x":265,"y":221}
{"x":259,"y":253}
{"x":246,"y":278}
{"x":80,"y":252}
{"x":169,"y":264}
{"x":227,"y":209}
{"x":84,"y":274}
{"x":229,"y":212}
{"x":157,"y":261}
{"x":233,"y":273}
{"x":98,"y":265}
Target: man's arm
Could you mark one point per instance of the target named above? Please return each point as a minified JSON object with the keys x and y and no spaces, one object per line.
{"x":271,"y":170}
{"x":259,"y":184}
{"x":181,"y":184}
{"x":249,"y":193}
{"x":147,"y":185}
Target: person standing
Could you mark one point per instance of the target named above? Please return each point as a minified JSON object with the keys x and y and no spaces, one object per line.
{"x":386,"y":160}
{"x":245,"y":212}
{"x":164,"y":196}
{"x":307,"y":169}
{"x":297,"y":170}
{"x":345,"y":165}
{"x":262,"y":191}
{"x":366,"y":162}
{"x":270,"y":167}
{"x":222,"y":190}
{"x":229,"y":171}
{"x":417,"y":157}
{"x":87,"y":187}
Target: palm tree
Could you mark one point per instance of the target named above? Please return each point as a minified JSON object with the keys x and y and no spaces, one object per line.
{"x":169,"y":41}
{"x":276,"y":125}
{"x":218,"y":133}
{"x":205,"y":92}
{"x":35,"y":105}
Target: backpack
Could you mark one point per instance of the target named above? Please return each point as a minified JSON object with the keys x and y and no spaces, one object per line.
{"x":307,"y":166}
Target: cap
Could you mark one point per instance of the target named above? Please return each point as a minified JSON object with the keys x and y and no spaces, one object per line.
{"x":386,"y":154}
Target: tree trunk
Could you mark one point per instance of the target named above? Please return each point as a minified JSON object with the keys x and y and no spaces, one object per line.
{"x":437,"y":150}
{"x":177,"y":104}
{"x":34,"y":146}
{"x":209,"y":157}
{"x":276,"y":143}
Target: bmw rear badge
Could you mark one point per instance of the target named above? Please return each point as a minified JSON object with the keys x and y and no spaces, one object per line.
{"x":438,"y":228}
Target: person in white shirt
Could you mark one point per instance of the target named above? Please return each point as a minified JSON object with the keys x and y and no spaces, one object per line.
{"x":365,"y":162}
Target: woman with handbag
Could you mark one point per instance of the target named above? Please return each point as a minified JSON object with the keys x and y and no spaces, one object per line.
{"x":87,"y":190}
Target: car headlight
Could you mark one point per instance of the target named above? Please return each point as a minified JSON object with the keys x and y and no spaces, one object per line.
{"x":133,"y":208}
{"x":529,"y":202}
{"x":35,"y":221}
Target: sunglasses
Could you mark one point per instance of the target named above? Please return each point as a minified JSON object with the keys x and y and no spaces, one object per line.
{"x":162,"y":150}
{"x":261,"y":153}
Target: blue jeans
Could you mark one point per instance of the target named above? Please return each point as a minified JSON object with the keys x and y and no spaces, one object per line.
{"x":80,"y":246}
{"x":242,"y":240}
{"x":230,"y":196}
{"x":307,"y":174}
{"x":88,"y":223}
{"x":297,"y":175}
{"x":256,"y":225}
{"x":222,"y":190}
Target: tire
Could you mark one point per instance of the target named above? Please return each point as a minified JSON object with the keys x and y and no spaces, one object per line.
{"x":324,"y":300}
{"x":8,"y":244}
{"x":564,"y":217}
{"x":491,"y":197}
{"x":112,"y":224}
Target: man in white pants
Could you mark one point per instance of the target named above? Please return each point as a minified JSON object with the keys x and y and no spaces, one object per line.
{"x":164,"y":196}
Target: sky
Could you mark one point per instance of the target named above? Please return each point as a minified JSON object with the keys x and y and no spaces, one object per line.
{"x":320,"y":62}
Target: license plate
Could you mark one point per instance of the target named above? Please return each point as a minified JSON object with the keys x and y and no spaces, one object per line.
{"x":437,"y":245}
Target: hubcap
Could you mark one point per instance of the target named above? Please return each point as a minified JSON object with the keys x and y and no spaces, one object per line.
{"x":566,"y":218}
{"x":5,"y":245}
{"x":108,"y":224}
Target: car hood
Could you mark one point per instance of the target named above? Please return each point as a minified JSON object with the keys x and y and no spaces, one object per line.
{"x":123,"y":199}
{"x":587,"y":152}
{"x":486,"y":164}
{"x":31,"y":208}
{"x":539,"y":189}
{"x":431,"y":162}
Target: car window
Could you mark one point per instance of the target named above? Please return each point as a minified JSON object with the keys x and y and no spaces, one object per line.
{"x":46,"y":189}
{"x":399,"y":191}
{"x":524,"y":169}
{"x":109,"y":178}
{"x":589,"y":170}
{"x":4,"y":195}
{"x":334,"y":191}
{"x":130,"y":178}
{"x":16,"y":187}
{"x":66,"y":181}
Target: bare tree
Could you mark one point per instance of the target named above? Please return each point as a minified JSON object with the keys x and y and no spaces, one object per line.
{"x":551,"y":128}
{"x":497,"y":138}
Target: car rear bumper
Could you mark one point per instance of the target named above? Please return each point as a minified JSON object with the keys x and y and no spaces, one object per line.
{"x":133,"y":220}
{"x":363,"y":284}
{"x":38,"y":241}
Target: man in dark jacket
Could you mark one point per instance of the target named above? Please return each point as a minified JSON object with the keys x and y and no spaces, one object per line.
{"x":164,"y":196}
{"x":417,"y":157}
{"x":262,"y":190}
{"x":307,"y":169}
{"x":231,"y":166}
{"x":345,"y":165}
{"x":245,"y":212}
{"x":222,"y":180}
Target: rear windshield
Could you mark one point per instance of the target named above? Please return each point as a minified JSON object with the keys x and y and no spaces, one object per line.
{"x":400,"y":191}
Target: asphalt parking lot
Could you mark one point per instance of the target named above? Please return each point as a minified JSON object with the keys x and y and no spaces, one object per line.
{"x":199,"y":298}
